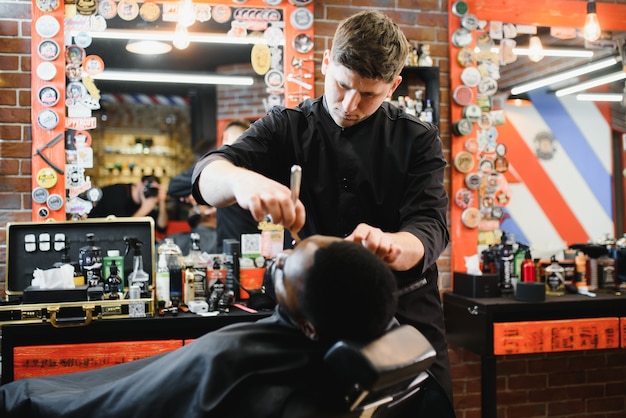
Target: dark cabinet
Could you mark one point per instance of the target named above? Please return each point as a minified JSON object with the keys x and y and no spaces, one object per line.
{"x":425,"y":78}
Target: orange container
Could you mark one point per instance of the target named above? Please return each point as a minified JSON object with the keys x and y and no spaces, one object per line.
{"x":251,"y":279}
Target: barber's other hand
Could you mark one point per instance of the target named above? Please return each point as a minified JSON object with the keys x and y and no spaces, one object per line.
{"x":377,"y":241}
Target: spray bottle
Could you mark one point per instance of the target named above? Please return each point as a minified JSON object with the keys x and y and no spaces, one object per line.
{"x":138,"y":277}
{"x":163,"y":283}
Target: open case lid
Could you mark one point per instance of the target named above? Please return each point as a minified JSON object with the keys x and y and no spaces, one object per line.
{"x":33,"y":245}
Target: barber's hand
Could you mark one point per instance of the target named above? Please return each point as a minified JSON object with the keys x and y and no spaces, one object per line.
{"x":262,"y":196}
{"x":377,"y":241}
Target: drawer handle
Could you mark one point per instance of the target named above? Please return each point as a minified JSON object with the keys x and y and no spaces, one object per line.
{"x":71,"y":322}
{"x":473,"y":310}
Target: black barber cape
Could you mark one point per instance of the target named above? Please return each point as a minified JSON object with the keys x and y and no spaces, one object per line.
{"x":242,"y":370}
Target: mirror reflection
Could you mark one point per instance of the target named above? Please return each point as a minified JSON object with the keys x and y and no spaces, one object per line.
{"x":226,"y":62}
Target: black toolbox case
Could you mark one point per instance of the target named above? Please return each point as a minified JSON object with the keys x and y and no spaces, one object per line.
{"x":23,"y":257}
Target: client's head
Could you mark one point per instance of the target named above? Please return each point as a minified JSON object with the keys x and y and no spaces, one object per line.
{"x":335,"y":289}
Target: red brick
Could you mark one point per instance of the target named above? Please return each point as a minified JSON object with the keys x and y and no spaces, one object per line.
{"x":566,"y":378}
{"x":10,"y":200}
{"x":15,"y":80}
{"x":24,"y":98}
{"x":8,"y":97}
{"x":15,"y":115}
{"x":7,"y":27}
{"x":9,"y":63}
{"x":15,"y":149}
{"x":15,"y":184}
{"x":527,"y":381}
{"x":606,"y":404}
{"x":566,"y":408}
{"x":16,"y":45}
{"x":526,"y":411}
{"x":9,"y":167}
{"x":10,"y":132}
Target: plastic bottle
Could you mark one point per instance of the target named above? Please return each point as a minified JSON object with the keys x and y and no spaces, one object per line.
{"x":581,"y":269}
{"x":198,"y":265}
{"x":528,"y":271}
{"x":138,"y":277}
{"x":113,"y":255}
{"x":113,"y":283}
{"x":555,"y":278}
{"x":428,"y":112}
{"x":163,"y":282}
{"x":506,"y":266}
{"x":518,"y":260}
{"x":90,"y":261}
{"x":175,"y":265}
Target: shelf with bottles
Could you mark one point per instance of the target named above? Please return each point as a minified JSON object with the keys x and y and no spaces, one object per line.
{"x":126,"y":157}
{"x":420,"y":84}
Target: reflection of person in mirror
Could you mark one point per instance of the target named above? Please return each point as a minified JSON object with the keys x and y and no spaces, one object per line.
{"x":232,"y":221}
{"x":371,"y":173}
{"x":146,"y":197}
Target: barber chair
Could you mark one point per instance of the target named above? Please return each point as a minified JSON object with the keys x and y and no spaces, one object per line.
{"x":382,"y":379}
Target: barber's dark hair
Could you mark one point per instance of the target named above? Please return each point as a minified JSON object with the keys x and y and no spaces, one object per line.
{"x":242,"y":123}
{"x":349,"y":293}
{"x":370,"y":44}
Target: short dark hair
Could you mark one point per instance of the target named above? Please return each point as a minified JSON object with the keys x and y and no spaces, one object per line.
{"x":242,"y":123}
{"x":349,"y":293}
{"x":370,"y":44}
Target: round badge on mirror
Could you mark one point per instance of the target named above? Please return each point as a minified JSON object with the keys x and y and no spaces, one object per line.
{"x":48,"y":50}
{"x":48,"y":5}
{"x":107,"y":9}
{"x":48,"y":96}
{"x":46,"y":70}
{"x":47,"y":26}
{"x":303,"y":43}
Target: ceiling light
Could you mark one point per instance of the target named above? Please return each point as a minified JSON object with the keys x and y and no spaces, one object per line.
{"x":186,"y":13}
{"x":519,"y":100}
{"x":572,"y":53}
{"x":565,"y":75}
{"x":610,"y":78}
{"x":173,"y":78}
{"x":148,"y":47}
{"x":592,"y":25}
{"x":181,"y":36}
{"x":600,"y":97}
{"x":211,"y":38}
{"x":535,"y":49}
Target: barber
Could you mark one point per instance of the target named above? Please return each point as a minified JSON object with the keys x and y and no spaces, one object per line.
{"x":371,"y":173}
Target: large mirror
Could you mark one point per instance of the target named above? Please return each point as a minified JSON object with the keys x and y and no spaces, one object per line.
{"x":118,"y":125}
{"x":548,"y":178}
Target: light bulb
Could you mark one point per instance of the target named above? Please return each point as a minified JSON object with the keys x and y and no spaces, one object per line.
{"x":592,"y":25}
{"x":181,"y":36}
{"x":186,"y":13}
{"x":535,"y":49}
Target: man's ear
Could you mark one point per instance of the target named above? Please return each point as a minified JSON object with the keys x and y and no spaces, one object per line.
{"x":325,"y":61}
{"x":308,"y":329}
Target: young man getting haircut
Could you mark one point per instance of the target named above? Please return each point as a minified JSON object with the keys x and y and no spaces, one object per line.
{"x":327,"y":289}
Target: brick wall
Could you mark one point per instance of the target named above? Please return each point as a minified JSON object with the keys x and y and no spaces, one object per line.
{"x":15,"y":145}
{"x":589,"y":384}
